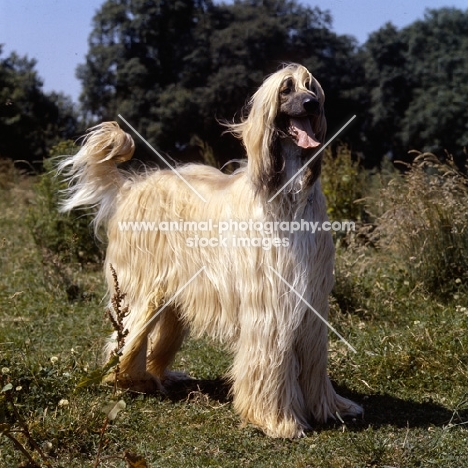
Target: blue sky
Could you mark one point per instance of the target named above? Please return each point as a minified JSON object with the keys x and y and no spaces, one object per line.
{"x":55,"y":32}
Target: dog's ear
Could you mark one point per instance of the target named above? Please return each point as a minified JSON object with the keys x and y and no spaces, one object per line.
{"x":320,"y":124}
{"x":320,"y":130}
{"x":258,"y":131}
{"x":262,"y":147}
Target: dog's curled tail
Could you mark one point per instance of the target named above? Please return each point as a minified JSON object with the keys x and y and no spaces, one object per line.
{"x":92,"y":174}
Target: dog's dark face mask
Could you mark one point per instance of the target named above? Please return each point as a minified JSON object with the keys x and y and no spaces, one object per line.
{"x":298,"y":112}
{"x":298,"y":121}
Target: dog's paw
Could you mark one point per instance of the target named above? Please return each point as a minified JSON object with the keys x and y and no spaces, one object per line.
{"x":147,"y":383}
{"x":286,"y":429}
{"x":347,"y":408}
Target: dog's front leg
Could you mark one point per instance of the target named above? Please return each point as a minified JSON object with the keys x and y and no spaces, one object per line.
{"x":265,"y":378}
{"x":321,"y":400}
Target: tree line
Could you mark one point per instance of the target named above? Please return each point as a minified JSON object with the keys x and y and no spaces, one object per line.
{"x":175,"y":68}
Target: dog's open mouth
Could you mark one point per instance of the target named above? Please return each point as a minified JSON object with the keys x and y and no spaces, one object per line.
{"x":301,"y":129}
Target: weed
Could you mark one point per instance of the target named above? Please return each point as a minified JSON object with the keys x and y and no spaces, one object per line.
{"x":67,"y":237}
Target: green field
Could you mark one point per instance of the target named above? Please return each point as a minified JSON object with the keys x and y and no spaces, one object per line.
{"x":400,"y":300}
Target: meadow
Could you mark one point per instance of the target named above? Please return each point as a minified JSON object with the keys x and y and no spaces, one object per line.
{"x":400,"y":300}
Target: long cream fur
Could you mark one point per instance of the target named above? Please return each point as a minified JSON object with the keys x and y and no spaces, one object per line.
{"x":279,"y":346}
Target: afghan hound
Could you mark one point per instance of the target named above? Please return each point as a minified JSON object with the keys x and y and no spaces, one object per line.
{"x":260,"y":297}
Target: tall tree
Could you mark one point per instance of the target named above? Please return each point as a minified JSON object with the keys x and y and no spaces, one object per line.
{"x":436,"y":118}
{"x":137,"y":50}
{"x":416,"y":80}
{"x":31,"y":121}
{"x":390,"y":91}
{"x":174,"y":67}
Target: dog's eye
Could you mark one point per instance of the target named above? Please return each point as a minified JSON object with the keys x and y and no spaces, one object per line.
{"x":286,"y":87}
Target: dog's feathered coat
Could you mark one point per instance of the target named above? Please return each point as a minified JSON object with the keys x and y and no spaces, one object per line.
{"x":242,"y":298}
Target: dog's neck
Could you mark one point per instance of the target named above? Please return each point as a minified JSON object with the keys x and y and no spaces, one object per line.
{"x":288,"y":162}
{"x":294,"y":158}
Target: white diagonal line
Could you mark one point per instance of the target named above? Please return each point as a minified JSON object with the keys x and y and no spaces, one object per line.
{"x":313,"y":310}
{"x":162,"y":308}
{"x":312,"y":158}
{"x":167,"y":163}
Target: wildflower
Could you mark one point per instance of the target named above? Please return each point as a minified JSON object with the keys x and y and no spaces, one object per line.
{"x":47,"y":446}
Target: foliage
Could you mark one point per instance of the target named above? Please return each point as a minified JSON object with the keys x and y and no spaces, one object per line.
{"x":31,"y":122}
{"x":417,"y":87}
{"x":416,"y":242}
{"x":425,"y":224}
{"x":343,"y":185}
{"x":431,"y":122}
{"x":67,"y":236}
{"x":62,"y":239}
{"x":173,"y":68}
{"x":389,"y":89}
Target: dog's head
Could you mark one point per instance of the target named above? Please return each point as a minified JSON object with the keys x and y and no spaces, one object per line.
{"x":285,"y":126}
{"x":300,"y":108}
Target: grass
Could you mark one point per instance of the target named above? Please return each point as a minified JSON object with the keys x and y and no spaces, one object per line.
{"x":410,"y":372}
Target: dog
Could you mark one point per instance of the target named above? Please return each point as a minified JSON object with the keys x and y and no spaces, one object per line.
{"x":258,"y":297}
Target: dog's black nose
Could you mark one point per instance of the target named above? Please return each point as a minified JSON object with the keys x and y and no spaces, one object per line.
{"x":311,"y":105}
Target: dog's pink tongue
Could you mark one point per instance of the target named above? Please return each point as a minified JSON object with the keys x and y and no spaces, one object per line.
{"x":305,"y":135}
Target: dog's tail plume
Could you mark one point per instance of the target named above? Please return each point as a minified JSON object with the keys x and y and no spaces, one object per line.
{"x":92,"y":174}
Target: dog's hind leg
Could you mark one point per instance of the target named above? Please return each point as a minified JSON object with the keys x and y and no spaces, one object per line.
{"x":133,"y":373}
{"x":164,"y":340}
{"x":150,"y":347}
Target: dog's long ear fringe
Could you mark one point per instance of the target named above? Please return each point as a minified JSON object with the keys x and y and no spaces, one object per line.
{"x":257,"y":132}
{"x":92,"y":174}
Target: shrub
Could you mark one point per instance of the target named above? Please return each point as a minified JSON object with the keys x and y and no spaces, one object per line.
{"x":68,"y":236}
{"x":425,"y":226}
{"x":417,"y":240}
{"x":63,"y":240}
{"x":343,"y":182}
